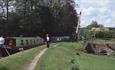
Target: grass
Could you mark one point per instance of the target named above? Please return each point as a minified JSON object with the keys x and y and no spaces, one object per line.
{"x":63,"y":57}
{"x":19,"y":61}
{"x":58,"y":58}
{"x":95,"y":62}
{"x":102,"y":41}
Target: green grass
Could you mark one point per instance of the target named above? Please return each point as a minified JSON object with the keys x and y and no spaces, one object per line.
{"x":58,"y":58}
{"x":95,"y":62}
{"x":19,"y":61}
{"x":63,"y":57}
{"x":102,"y":41}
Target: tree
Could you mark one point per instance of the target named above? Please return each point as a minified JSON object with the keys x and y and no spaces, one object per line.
{"x":94,"y":24}
{"x":38,"y":17}
{"x":65,"y":17}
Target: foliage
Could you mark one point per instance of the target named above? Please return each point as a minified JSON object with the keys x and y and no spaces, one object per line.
{"x":38,"y":17}
{"x":95,"y":30}
{"x":94,"y":24}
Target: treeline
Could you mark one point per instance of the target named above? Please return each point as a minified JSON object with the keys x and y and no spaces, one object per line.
{"x":37,"y":17}
{"x":95,"y":30}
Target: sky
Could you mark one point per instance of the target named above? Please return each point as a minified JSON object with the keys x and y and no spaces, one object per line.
{"x":102,"y":11}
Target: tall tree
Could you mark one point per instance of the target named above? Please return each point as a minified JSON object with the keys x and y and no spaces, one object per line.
{"x":38,"y":17}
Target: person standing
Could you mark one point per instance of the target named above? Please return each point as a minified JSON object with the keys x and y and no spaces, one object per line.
{"x":2,"y":41}
{"x":47,"y":40}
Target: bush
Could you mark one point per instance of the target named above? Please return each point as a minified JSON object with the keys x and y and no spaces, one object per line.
{"x":105,"y":34}
{"x":74,"y":68}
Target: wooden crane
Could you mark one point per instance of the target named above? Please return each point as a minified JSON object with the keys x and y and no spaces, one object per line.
{"x":78,"y":27}
{"x":76,"y":35}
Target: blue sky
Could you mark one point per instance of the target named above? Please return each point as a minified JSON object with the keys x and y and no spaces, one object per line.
{"x":102,"y":11}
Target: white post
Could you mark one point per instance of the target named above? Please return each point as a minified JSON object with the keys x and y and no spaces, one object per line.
{"x":78,"y":26}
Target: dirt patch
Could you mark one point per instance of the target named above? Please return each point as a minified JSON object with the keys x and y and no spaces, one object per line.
{"x":101,"y":49}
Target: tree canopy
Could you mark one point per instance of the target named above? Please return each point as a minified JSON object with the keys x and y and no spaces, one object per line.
{"x":94,"y":24}
{"x":95,"y":30}
{"x":37,"y":17}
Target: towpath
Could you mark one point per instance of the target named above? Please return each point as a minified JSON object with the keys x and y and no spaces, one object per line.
{"x":37,"y":58}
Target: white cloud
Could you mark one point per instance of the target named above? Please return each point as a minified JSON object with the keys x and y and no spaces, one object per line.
{"x":88,"y":11}
{"x":108,"y":20}
{"x":99,"y":2}
{"x":113,"y":14}
{"x":88,"y":1}
{"x":100,"y":10}
{"x":104,"y":2}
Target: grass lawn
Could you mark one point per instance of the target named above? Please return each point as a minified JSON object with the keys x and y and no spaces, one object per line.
{"x":19,"y":61}
{"x":58,"y":58}
{"x":102,"y":41}
{"x":95,"y":62}
{"x":63,"y":57}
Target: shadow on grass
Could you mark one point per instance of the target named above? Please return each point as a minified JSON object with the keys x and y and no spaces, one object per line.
{"x":3,"y":68}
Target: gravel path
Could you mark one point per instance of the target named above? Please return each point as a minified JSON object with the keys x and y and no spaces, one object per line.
{"x":36,"y":59}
